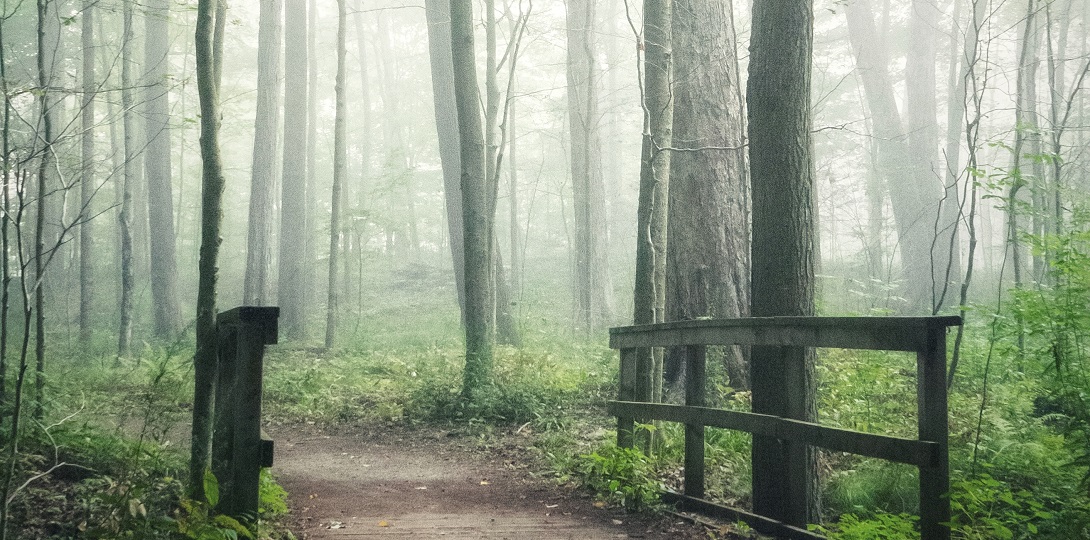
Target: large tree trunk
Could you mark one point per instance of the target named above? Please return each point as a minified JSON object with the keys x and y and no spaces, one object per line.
{"x":212,"y":183}
{"x":446,"y":122}
{"x":87,"y":176}
{"x":256,"y":290}
{"x":477,"y":206}
{"x":340,"y":170}
{"x":592,"y":284}
{"x":293,"y":225}
{"x":781,"y":167}
{"x":707,"y":265}
{"x":157,"y":158}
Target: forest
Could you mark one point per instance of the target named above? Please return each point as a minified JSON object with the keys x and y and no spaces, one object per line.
{"x":451,"y":202}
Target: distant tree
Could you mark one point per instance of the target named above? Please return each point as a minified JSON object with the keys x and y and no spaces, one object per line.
{"x":592,"y":283}
{"x":157,"y":162}
{"x":707,"y":263}
{"x":256,"y":287}
{"x":913,"y":182}
{"x":124,"y":218}
{"x":87,"y":172}
{"x":293,"y":224}
{"x":446,"y":124}
{"x":212,"y":184}
{"x":340,"y":171}
{"x":782,"y":275}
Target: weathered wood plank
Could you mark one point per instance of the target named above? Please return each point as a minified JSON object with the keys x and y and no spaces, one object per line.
{"x":759,"y":523}
{"x":265,"y":319}
{"x":924,"y":454}
{"x":931,"y":403}
{"x":695,"y":383}
{"x":876,"y":333}
{"x":626,"y":391}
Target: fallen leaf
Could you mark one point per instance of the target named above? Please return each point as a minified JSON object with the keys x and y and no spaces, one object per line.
{"x":599,"y":504}
{"x":485,"y":482}
{"x":422,"y":487}
{"x":618,"y":522}
{"x":384,"y":523}
{"x":551,"y":505}
{"x":335,"y":525}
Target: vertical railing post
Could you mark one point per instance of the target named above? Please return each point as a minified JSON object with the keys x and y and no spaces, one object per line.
{"x":934,"y":426}
{"x":243,"y":333}
{"x":626,"y":391}
{"x":223,"y":439}
{"x":695,"y":389}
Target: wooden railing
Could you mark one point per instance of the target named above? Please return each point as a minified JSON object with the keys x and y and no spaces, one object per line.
{"x":926,"y":336}
{"x":239,"y":447}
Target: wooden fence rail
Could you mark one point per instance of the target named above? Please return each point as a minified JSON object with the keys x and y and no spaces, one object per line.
{"x":926,"y":336}
{"x":239,"y":447}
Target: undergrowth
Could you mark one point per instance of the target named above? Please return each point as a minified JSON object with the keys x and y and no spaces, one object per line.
{"x":110,"y":463}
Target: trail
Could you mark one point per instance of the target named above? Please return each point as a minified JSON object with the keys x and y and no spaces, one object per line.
{"x":415,"y":484}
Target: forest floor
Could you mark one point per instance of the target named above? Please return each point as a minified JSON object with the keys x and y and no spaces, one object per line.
{"x":397,"y":482}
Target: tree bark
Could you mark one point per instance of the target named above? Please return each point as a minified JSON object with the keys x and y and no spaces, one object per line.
{"x":446,"y":123}
{"x":124,"y":218}
{"x":649,"y":294}
{"x":592,"y":284}
{"x":293,"y":225}
{"x":340,"y":170}
{"x":477,"y":206}
{"x":707,"y":264}
{"x":781,"y":167}
{"x":256,"y":291}
{"x":157,"y":163}
{"x":212,"y":184}
{"x":87,"y":175}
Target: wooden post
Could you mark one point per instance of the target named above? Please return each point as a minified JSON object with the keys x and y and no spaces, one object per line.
{"x":243,"y":332}
{"x":626,"y":391}
{"x":644,"y":392}
{"x":695,"y":383}
{"x":223,"y":438}
{"x":934,"y":426}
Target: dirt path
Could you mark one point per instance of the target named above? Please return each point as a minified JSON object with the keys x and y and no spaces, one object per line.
{"x":414,"y":484}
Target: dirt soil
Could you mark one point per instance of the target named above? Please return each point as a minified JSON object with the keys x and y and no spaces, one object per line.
{"x":393,"y":482}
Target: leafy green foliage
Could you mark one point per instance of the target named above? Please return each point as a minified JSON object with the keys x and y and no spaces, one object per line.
{"x":983,"y":507}
{"x":623,"y":476}
{"x":880,"y":525}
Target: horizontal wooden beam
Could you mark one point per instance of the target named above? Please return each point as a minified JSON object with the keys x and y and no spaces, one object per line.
{"x":265,"y":318}
{"x":876,"y":333}
{"x":759,"y":523}
{"x":911,"y":451}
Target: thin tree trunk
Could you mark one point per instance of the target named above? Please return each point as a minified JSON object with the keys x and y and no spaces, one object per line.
{"x":212,"y":184}
{"x":125,"y":220}
{"x":46,"y":64}
{"x":310,"y":216}
{"x":340,"y":170}
{"x":87,"y":177}
{"x":649,"y":292}
{"x":592,"y":284}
